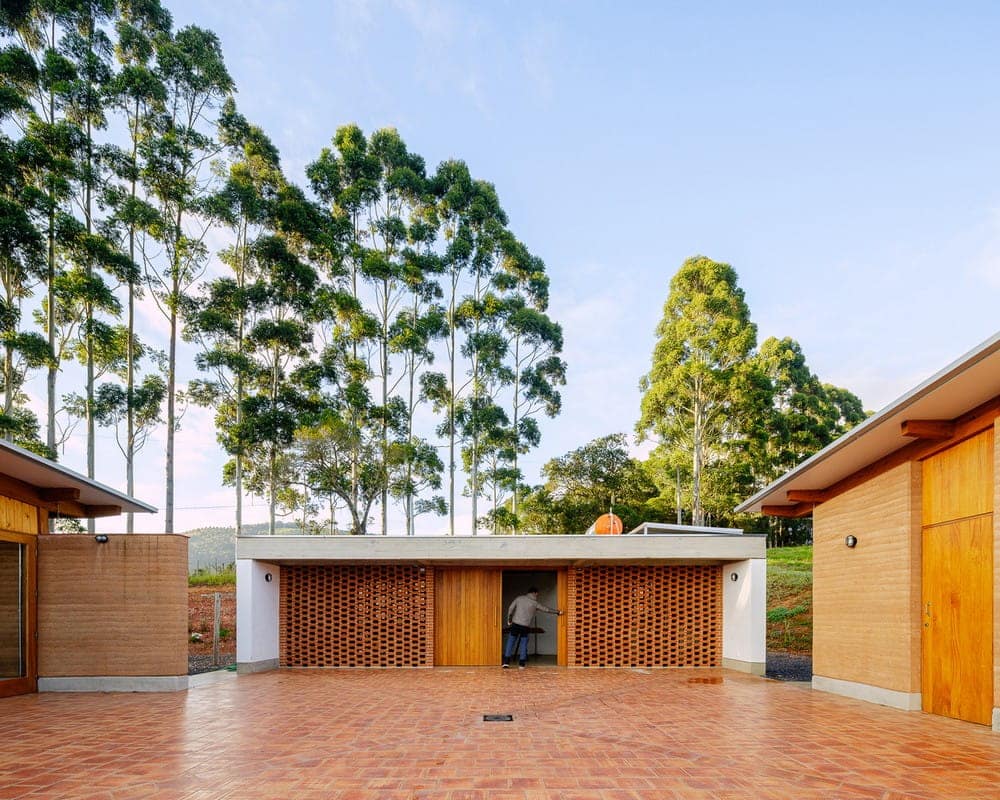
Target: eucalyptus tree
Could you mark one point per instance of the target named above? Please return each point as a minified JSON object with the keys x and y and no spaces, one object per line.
{"x":346,"y":179}
{"x":378,"y":190}
{"x":194,"y":75}
{"x":476,"y":239}
{"x":53,"y":143}
{"x":138,"y":94}
{"x":221,"y":318}
{"x":697,"y":388}
{"x":401,"y":187}
{"x":534,"y":342}
{"x":412,"y":336}
{"x":89,"y":48}
{"x":22,"y":264}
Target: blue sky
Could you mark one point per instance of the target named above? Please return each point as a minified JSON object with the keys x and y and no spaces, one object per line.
{"x":844,"y":159}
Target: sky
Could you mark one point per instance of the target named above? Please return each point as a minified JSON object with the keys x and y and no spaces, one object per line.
{"x":842,"y":157}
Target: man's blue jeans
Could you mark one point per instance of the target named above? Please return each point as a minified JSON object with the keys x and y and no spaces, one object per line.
{"x":518,"y":635}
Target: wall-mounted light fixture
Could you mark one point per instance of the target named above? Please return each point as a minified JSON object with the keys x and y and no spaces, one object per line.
{"x":101,"y":538}
{"x":268,"y":577}
{"x":734,"y":576}
{"x":851,"y":540}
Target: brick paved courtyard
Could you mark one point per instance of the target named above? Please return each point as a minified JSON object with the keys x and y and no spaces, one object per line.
{"x":576,"y":735}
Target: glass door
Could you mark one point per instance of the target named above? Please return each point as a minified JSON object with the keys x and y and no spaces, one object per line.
{"x":17,"y":617}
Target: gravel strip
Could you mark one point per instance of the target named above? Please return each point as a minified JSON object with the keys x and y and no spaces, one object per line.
{"x":789,"y":667}
{"x":199,"y":664}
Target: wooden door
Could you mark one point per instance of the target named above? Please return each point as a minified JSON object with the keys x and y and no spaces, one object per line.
{"x":957,"y":668}
{"x":18,"y":615}
{"x":467,"y":616}
{"x":957,"y":582}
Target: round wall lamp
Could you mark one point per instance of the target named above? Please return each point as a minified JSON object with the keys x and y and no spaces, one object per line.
{"x":851,"y":541}
{"x":101,"y":538}
{"x":734,"y":576}
{"x":268,"y":577}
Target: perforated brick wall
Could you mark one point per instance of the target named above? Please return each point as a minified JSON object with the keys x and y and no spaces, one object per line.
{"x":633,"y":616}
{"x":356,"y":616}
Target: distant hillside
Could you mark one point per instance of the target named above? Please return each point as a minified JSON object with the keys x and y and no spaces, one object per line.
{"x":216,"y":547}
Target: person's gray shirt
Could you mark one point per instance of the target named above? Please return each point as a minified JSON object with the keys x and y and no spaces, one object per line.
{"x":522,"y":610}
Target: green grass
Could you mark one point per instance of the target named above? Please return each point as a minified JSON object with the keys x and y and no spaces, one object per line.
{"x":217,"y":576}
{"x":789,"y":599}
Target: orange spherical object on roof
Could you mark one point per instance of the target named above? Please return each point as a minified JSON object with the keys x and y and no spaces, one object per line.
{"x":608,"y":525}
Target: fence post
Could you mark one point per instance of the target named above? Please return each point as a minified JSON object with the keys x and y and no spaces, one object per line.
{"x":217,"y":624}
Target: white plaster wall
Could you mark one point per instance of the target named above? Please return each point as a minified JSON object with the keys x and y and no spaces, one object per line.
{"x":744,"y":611}
{"x":256,"y":611}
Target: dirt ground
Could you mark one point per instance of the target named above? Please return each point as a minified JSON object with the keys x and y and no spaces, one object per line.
{"x":201,"y":611}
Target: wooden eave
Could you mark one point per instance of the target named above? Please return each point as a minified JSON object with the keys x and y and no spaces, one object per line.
{"x":59,"y":491}
{"x":969,"y":424}
{"x":959,"y":400}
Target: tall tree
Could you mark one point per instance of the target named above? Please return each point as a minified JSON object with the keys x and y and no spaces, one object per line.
{"x":54,"y":143}
{"x":222,"y":317}
{"x":192,"y":69}
{"x":138,"y":93}
{"x":695,"y":389}
{"x":535,"y":342}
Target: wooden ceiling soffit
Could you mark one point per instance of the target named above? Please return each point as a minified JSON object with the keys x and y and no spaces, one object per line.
{"x":59,"y":501}
{"x":935,"y":429}
{"x":924,"y":445}
{"x":807,"y":495}
{"x":58,"y":494}
{"x":102,"y":511}
{"x":791,"y":512}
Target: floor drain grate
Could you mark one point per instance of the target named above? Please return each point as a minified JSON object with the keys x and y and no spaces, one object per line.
{"x":498,"y":717}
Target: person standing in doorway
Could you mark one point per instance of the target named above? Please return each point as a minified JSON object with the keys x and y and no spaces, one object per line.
{"x":519,"y":618}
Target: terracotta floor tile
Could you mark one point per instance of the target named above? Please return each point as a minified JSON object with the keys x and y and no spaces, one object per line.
{"x":419,"y":735}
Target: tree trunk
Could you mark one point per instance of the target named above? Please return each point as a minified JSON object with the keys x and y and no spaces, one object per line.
{"x":697,"y":514}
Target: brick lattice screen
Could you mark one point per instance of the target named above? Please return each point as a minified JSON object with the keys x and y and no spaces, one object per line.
{"x":356,"y":616}
{"x":664,"y":616}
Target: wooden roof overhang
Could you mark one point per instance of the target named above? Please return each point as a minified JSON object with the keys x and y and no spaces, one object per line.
{"x":62,"y":492}
{"x":957,"y":402}
{"x":508,"y":551}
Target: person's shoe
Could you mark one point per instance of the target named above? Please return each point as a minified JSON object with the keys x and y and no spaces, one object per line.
{"x":521,"y":666}
{"x":505,"y":666}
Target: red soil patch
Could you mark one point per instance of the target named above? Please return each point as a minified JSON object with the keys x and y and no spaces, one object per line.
{"x":201,"y":613}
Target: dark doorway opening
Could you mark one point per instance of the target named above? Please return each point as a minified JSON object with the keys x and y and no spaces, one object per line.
{"x":543,"y":643}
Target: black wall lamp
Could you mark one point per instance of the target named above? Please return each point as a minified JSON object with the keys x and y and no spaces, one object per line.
{"x":851,"y":540}
{"x":101,"y":538}
{"x":268,"y":577}
{"x":734,"y":576}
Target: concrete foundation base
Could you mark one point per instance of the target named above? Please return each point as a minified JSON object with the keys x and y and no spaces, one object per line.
{"x":752,"y":667}
{"x":250,"y":667}
{"x":126,"y":683}
{"x":907,"y":701}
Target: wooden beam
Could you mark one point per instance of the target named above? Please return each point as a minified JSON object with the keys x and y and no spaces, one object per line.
{"x":102,"y":511}
{"x":19,"y":490}
{"x":792,"y":512}
{"x":936,"y":429}
{"x":807,"y":495}
{"x":58,"y":494}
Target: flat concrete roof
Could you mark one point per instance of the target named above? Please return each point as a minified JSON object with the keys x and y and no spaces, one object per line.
{"x":963,"y":385}
{"x":31,"y":470}
{"x":692,"y":548}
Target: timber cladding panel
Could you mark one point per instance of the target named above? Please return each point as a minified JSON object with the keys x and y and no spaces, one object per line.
{"x":866,"y":599}
{"x":356,"y":616}
{"x":645,"y":616}
{"x":112,"y":609}
{"x":17,"y":516}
